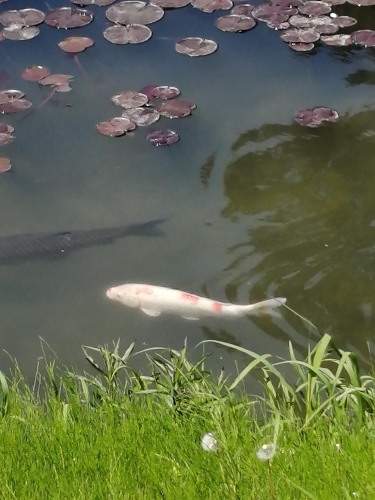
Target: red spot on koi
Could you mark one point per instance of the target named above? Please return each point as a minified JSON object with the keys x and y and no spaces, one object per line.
{"x":143,"y":289}
{"x":193,"y":299}
{"x":217,"y":307}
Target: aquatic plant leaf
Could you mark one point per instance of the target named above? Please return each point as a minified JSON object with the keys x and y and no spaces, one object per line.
{"x":335,"y":2}
{"x":321,"y":24}
{"x":302,"y":47}
{"x":9,"y":95}
{"x":287,"y":3}
{"x":75,"y":44}
{"x":15,"y":32}
{"x":62,"y":87}
{"x":147,"y":91}
{"x":344,"y":21}
{"x":34,"y":73}
{"x":337,"y":40}
{"x":142,"y":116}
{"x":165,"y":92}
{"x":276,"y":25}
{"x":99,"y":3}
{"x":132,"y":33}
{"x":170,"y":4}
{"x":5,"y":138}
{"x":23,"y":17}
{"x":6,"y":129}
{"x":314,"y":8}
{"x":134,"y":12}
{"x":271,"y":12}
{"x":55,"y":79}
{"x":66,"y":17}
{"x":129,"y":99}
{"x":116,"y":126}
{"x":176,"y":108}
{"x":2,"y":36}
{"x":364,"y":37}
{"x":243,"y":10}
{"x":316,"y":117}
{"x":212,"y":5}
{"x":362,"y":3}
{"x":300,"y":36}
{"x":15,"y":105}
{"x":163,"y":137}
{"x":196,"y":46}
{"x":5,"y":165}
{"x":235,"y":23}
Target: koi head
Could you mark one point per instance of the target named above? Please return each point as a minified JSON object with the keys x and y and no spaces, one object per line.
{"x":124,"y":294}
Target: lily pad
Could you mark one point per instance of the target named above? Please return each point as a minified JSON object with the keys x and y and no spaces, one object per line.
{"x":66,"y":17}
{"x":6,"y":129}
{"x":271,"y":12}
{"x":163,"y":137}
{"x":176,"y":108}
{"x":15,"y":106}
{"x":170,"y":4}
{"x":5,"y":138}
{"x":134,"y":12}
{"x":364,"y":37}
{"x":165,"y":92}
{"x":212,"y":5}
{"x":300,"y":36}
{"x":129,"y":99}
{"x":23,"y":17}
{"x":362,"y":3}
{"x":5,"y":165}
{"x":132,"y":33}
{"x":316,"y":117}
{"x":314,"y":8}
{"x":99,"y":3}
{"x":321,"y":24}
{"x":142,"y":116}
{"x":56,"y":79}
{"x":196,"y":46}
{"x":15,"y":32}
{"x":344,"y":21}
{"x":75,"y":44}
{"x":147,"y":91}
{"x":337,"y":40}
{"x":243,"y":10}
{"x":302,"y":47}
{"x":34,"y":73}
{"x":10,"y":95}
{"x":235,"y":23}
{"x":116,"y":126}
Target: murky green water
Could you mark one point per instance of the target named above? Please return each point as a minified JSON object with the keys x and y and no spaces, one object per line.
{"x":256,"y":205}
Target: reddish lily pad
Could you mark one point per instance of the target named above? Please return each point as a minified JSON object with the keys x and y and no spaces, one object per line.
{"x":129,"y":99}
{"x":302,"y":47}
{"x":344,"y":21}
{"x":15,"y":105}
{"x":165,"y":92}
{"x":243,"y":10}
{"x":362,"y":3}
{"x":10,"y":95}
{"x":34,"y":73}
{"x":170,"y":4}
{"x":196,"y":46}
{"x":66,"y":17}
{"x":364,"y":37}
{"x":176,"y":108}
{"x":212,"y":5}
{"x":134,"y":12}
{"x":116,"y":126}
{"x":23,"y":17}
{"x":271,"y":12}
{"x":337,"y":40}
{"x":16,"y":32}
{"x":163,"y":137}
{"x":6,"y":129}
{"x":316,"y":117}
{"x":132,"y":33}
{"x":55,"y":79}
{"x":314,"y":8}
{"x":277,"y":25}
{"x":99,"y":3}
{"x":5,"y":138}
{"x":5,"y":165}
{"x":300,"y":36}
{"x":142,"y":116}
{"x":75,"y":44}
{"x":235,"y":23}
{"x":147,"y":91}
{"x":321,"y":24}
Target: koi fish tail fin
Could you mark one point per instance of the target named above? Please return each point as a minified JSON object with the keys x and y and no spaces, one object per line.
{"x":266,"y":307}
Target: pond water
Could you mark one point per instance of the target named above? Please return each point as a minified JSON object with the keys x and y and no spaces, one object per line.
{"x":255,"y":204}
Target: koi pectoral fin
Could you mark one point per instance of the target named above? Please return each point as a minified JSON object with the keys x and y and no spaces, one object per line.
{"x":150,"y":312}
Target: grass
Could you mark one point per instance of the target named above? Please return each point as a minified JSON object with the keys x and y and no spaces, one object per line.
{"x":117,"y":434}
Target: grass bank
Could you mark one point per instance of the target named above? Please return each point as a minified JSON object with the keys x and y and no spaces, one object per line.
{"x":118,"y":434}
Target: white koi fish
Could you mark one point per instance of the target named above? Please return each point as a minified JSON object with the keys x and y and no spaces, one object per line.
{"x":154,"y":300}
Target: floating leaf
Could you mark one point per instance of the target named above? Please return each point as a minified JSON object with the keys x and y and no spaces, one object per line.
{"x":66,"y":17}
{"x":170,"y":4}
{"x":300,"y":36}
{"x":132,"y":33}
{"x":163,"y":137}
{"x":129,"y":99}
{"x":235,"y":23}
{"x":364,"y":37}
{"x":147,"y":91}
{"x":9,"y":95}
{"x":15,"y":105}
{"x":337,"y":40}
{"x":34,"y":73}
{"x":15,"y":32}
{"x":272,"y":12}
{"x":134,"y":12}
{"x":314,"y":8}
{"x":99,"y":3}
{"x":6,"y":129}
{"x":5,"y":138}
{"x":316,"y":117}
{"x":176,"y":108}
{"x":212,"y":5}
{"x":55,"y":79}
{"x":278,"y":25}
{"x":5,"y":165}
{"x":362,"y":3}
{"x":142,"y":116}
{"x":196,"y":46}
{"x":301,"y":47}
{"x":116,"y":126}
{"x":344,"y":21}
{"x":23,"y":17}
{"x":321,"y":24}
{"x":243,"y":10}
{"x":75,"y":44}
{"x":165,"y":92}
